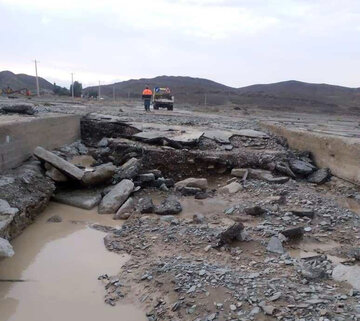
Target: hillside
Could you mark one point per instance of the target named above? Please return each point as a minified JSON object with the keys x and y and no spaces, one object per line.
{"x":19,"y":81}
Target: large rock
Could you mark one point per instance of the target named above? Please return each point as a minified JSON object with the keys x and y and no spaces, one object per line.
{"x":231,"y":234}
{"x":146,"y":205}
{"x":301,"y":168}
{"x":83,"y":198}
{"x":6,"y":250}
{"x":169,"y":206}
{"x":101,"y":174}
{"x":320,"y":176}
{"x":116,"y":197}
{"x":192,"y":182}
{"x":231,"y":188}
{"x":62,"y":165}
{"x":125,"y":210}
{"x":128,"y":170}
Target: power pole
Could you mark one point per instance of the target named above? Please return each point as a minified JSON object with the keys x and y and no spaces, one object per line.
{"x":114,"y":92}
{"x":37,"y":78}
{"x":72,"y":85}
{"x":99,"y":94}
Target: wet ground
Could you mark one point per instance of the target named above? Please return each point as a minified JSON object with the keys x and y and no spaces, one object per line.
{"x":53,"y":275}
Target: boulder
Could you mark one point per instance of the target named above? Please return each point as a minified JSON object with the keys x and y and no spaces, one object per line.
{"x":301,"y":168}
{"x":6,"y":250}
{"x":61,"y":164}
{"x":82,"y":198}
{"x":146,"y":205}
{"x":169,"y":206}
{"x":231,"y":234}
{"x":238,"y":172}
{"x":275,"y":246}
{"x":112,"y":201}
{"x":101,"y":174}
{"x":125,"y":210}
{"x":201,"y":183}
{"x":231,"y":188}
{"x":320,"y":176}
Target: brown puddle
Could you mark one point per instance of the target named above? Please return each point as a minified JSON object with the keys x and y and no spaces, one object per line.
{"x":60,"y":263}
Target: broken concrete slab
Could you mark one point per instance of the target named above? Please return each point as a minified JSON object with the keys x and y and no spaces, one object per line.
{"x":220,"y":136}
{"x":82,"y":198}
{"x":267,"y":176}
{"x":112,"y":201}
{"x":100,"y":175}
{"x":201,"y":183}
{"x":62,"y":165}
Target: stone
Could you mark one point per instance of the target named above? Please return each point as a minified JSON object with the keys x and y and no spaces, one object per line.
{"x":100,"y":175}
{"x":301,"y":167}
{"x":268,"y":309}
{"x":112,"y":201}
{"x":104,"y":142}
{"x":275,"y":246}
{"x":146,"y":205}
{"x":254,"y":211}
{"x":198,"y":218}
{"x":303,"y":212}
{"x":6,"y":250}
{"x":190,"y":191}
{"x":349,"y":274}
{"x":267,"y":176}
{"x":201,"y":195}
{"x":231,"y":188}
{"x":293,"y":233}
{"x":128,"y":170}
{"x":82,"y":198}
{"x":231,"y":234}
{"x":201,"y":183}
{"x":145,"y":178}
{"x":156,"y":172}
{"x":19,"y":108}
{"x":62,"y":165}
{"x":169,"y":206}
{"x":54,"y":219}
{"x":6,"y":209}
{"x":167,"y":218}
{"x":320,"y":176}
{"x":55,"y":174}
{"x":275,"y":296}
{"x":125,"y":210}
{"x":163,"y":187}
{"x":238,"y":172}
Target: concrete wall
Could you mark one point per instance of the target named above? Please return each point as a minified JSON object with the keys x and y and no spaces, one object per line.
{"x":19,"y":135}
{"x":340,"y":154}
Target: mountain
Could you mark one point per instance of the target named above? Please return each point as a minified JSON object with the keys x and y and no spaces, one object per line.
{"x":19,"y":81}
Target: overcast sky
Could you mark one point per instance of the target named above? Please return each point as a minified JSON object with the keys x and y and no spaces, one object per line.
{"x":235,"y":42}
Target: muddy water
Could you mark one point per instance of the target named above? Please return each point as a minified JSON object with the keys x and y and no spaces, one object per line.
{"x":59,"y":264}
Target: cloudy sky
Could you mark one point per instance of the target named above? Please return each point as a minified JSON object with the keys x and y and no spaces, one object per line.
{"x":235,"y":42}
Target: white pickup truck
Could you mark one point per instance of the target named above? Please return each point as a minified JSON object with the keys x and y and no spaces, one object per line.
{"x":162,"y":98}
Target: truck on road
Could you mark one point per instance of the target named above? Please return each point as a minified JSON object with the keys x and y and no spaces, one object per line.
{"x":162,"y":98}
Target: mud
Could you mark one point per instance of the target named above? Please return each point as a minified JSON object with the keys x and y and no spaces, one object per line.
{"x":59,"y":264}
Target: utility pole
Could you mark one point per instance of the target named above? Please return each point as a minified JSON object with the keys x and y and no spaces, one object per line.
{"x":99,"y":94}
{"x":37,"y":78}
{"x":114,"y":92}
{"x":72,"y":85}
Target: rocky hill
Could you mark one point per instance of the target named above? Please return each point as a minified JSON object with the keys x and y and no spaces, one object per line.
{"x":19,"y":81}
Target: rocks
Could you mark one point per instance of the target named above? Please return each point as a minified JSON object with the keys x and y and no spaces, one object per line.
{"x":201,"y":195}
{"x":6,"y":209}
{"x":55,"y":174}
{"x":293,"y":233}
{"x":19,"y":108}
{"x":303,"y":212}
{"x":82,"y":198}
{"x":125,"y":210}
{"x":62,"y":165}
{"x":254,"y":211}
{"x":112,"y":201}
{"x":100,"y":175}
{"x":301,"y":168}
{"x":275,"y":246}
{"x":6,"y":250}
{"x":169,"y":206}
{"x":231,"y":188}
{"x":128,"y":170}
{"x":201,"y":183}
{"x":190,"y":191}
{"x":54,"y":219}
{"x":320,"y":176}
{"x":145,"y":179}
{"x":267,"y":176}
{"x":239,"y":172}
{"x":231,"y":234}
{"x":146,"y":205}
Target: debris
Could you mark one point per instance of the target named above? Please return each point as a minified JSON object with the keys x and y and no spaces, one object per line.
{"x":169,"y":206}
{"x":267,"y":176}
{"x":62,"y":165}
{"x":112,"y":201}
{"x":275,"y":246}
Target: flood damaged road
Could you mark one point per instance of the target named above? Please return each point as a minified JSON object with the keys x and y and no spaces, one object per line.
{"x":59,"y":264}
